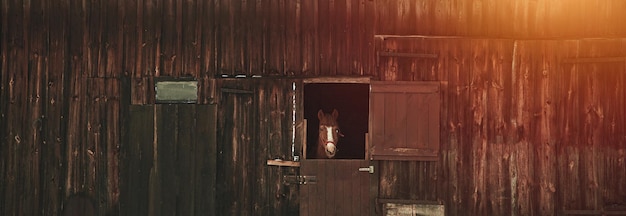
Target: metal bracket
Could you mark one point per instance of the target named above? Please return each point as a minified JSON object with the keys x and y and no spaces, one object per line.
{"x":301,"y":180}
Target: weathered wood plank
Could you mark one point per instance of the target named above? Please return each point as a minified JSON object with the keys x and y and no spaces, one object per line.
{"x":112,"y":138}
{"x":205,"y":153}
{"x":308,"y":35}
{"x":95,"y":16}
{"x":94,"y":147}
{"x":191,"y":42}
{"x":142,"y":91}
{"x":77,"y":117}
{"x":324,"y":39}
{"x":150,"y":22}
{"x":209,"y":40}
{"x":17,"y":135}
{"x":4,"y":41}
{"x":275,"y":149}
{"x":270,"y":175}
{"x":170,"y":56}
{"x":293,"y":35}
{"x":223,"y":23}
{"x":54,"y":112}
{"x":137,"y":158}
{"x":185,"y":165}
{"x":166,"y":163}
{"x":38,"y":51}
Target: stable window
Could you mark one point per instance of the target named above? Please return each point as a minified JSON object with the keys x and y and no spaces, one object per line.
{"x":404,"y":120}
{"x":351,"y":100}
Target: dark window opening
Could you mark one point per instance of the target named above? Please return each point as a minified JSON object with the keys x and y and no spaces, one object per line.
{"x":352,"y":102}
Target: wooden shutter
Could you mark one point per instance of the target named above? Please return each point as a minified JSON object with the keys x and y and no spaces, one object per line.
{"x":404,"y":120}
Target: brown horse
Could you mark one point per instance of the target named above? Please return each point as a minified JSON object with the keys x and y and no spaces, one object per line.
{"x":328,"y":135}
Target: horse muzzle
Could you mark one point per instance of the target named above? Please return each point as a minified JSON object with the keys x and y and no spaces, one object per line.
{"x":331,"y":149}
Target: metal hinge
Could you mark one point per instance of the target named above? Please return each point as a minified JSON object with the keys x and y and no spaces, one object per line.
{"x":302,"y":180}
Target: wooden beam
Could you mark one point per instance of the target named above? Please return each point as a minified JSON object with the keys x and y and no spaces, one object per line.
{"x":407,"y":201}
{"x":365,"y":80}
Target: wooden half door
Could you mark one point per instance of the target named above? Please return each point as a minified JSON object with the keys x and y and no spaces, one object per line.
{"x":339,"y":187}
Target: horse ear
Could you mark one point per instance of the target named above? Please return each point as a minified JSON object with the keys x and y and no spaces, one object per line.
{"x":335,"y":113}
{"x":320,"y":114}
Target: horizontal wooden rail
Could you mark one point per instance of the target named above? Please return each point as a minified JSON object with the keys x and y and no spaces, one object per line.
{"x":283,"y":163}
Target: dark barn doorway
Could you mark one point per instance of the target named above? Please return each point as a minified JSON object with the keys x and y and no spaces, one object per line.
{"x":352,"y":102}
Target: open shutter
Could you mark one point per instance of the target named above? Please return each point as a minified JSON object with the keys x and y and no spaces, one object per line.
{"x":404,"y":120}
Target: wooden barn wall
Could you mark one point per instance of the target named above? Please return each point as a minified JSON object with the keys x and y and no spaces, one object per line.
{"x":525,"y":133}
{"x":524,"y":130}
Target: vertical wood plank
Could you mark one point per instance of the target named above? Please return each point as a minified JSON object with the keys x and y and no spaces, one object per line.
{"x":275,"y":150}
{"x":395,"y":136}
{"x":307,"y":35}
{"x":37,"y":70}
{"x":130,"y":39}
{"x":185,"y":165}
{"x":167,"y":150}
{"x":4,"y":34}
{"x":95,"y":16}
{"x":208,"y":39}
{"x":205,"y":160}
{"x":270,"y":174}
{"x":292,"y":48}
{"x":150,"y":18}
{"x":77,"y":117}
{"x":324,"y":37}
{"x":138,"y":161}
{"x":224,"y":37}
{"x":377,"y":107}
{"x":94,"y":147}
{"x":170,"y":56}
{"x":112,"y":128}
{"x":191,"y":42}
{"x":54,"y":109}
{"x":415,"y":135}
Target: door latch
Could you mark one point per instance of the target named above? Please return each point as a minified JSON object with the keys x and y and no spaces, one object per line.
{"x":297,"y":179}
{"x":369,"y":169}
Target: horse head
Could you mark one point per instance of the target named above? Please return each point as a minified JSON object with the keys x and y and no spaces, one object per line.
{"x":328,"y":133}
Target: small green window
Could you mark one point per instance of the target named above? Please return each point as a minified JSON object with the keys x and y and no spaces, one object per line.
{"x":176,"y":91}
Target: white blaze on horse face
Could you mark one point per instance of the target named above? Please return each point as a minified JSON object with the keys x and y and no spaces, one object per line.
{"x":329,"y":135}
{"x":330,"y":142}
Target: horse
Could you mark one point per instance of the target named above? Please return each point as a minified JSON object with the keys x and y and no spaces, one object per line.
{"x":328,"y":134}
